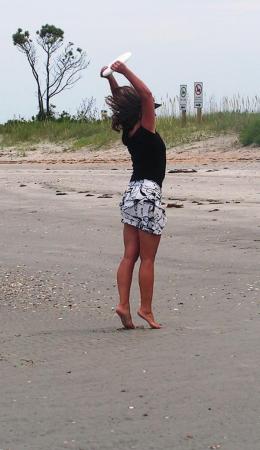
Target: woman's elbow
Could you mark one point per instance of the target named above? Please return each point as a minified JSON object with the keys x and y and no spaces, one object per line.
{"x":147,"y":94}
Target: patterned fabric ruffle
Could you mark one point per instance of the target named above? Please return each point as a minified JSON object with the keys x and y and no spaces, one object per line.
{"x":141,"y":206}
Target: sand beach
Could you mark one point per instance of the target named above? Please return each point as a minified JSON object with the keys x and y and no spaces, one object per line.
{"x":71,"y":378}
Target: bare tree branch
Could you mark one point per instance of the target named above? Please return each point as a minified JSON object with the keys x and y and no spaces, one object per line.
{"x":61,"y":72}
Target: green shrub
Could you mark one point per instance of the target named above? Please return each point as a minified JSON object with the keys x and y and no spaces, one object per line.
{"x":250,"y":134}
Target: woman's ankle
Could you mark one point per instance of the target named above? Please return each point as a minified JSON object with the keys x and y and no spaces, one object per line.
{"x":123,"y":305}
{"x":145,"y":310}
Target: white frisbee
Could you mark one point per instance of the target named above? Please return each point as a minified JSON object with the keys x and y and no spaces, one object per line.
{"x":122,"y":58}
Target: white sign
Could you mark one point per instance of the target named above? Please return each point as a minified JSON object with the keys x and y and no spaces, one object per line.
{"x":198,"y":94}
{"x":183,"y":97}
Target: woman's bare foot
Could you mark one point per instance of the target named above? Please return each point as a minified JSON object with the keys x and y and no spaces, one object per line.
{"x":149,"y":318}
{"x":125,"y":316}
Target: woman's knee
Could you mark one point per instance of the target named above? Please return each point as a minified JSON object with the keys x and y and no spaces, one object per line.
{"x":147,"y":259}
{"x":131,"y":257}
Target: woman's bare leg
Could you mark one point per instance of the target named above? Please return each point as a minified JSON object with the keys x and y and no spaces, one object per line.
{"x":148,"y":248}
{"x":125,"y":274}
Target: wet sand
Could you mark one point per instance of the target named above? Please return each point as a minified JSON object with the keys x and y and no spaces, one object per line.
{"x":71,"y":378}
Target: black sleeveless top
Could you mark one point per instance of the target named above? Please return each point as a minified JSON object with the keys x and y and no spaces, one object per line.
{"x":148,"y":154}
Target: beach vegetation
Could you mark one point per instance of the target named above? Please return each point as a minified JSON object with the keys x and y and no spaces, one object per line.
{"x":250,"y":134}
{"x":90,"y":128}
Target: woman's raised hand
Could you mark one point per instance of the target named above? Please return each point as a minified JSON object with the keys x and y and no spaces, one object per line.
{"x":102,"y":70}
{"x":119,"y":67}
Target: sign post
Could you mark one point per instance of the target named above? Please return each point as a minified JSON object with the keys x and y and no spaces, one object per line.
{"x":198,"y":99}
{"x":183,"y":103}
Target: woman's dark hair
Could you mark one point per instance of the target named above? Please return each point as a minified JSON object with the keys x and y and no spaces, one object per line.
{"x":126,"y":108}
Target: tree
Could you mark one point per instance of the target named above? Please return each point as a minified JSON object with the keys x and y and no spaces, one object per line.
{"x":61,"y":69}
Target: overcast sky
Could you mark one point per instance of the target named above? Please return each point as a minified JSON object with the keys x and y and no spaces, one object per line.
{"x":172,"y":42}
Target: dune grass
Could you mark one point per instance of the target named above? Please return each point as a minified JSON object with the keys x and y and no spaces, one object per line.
{"x":213,"y":124}
{"x":97,"y":134}
{"x":79,"y":134}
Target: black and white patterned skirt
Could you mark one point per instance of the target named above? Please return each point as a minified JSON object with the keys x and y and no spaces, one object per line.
{"x":141,"y":206}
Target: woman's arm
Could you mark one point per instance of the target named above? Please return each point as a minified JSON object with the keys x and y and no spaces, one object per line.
{"x":111,"y":79}
{"x":113,"y":84}
{"x":147,"y":100}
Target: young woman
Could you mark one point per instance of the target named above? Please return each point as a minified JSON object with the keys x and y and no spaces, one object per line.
{"x":133,"y":112}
